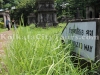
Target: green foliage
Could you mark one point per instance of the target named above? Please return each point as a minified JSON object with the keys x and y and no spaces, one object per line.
{"x":71,"y":9}
{"x":2,"y":30}
{"x":32,"y":26}
{"x":27,"y":6}
{"x":40,"y":52}
{"x":1,"y":25}
{"x":1,"y":4}
{"x":7,"y":5}
{"x":23,"y":7}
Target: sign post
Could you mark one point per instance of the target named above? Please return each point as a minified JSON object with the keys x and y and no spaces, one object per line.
{"x":85,"y":37}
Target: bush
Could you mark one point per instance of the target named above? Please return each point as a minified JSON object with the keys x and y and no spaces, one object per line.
{"x":41,"y":53}
{"x":1,"y":25}
{"x":32,"y":26}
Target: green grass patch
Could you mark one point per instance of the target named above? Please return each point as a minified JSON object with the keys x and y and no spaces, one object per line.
{"x":2,"y":30}
{"x":38,"y":51}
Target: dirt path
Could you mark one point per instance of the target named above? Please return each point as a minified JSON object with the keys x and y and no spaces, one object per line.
{"x":4,"y":38}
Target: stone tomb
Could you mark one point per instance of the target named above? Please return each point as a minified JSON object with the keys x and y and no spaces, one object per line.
{"x":85,"y":36}
{"x":92,"y":12}
{"x":46,"y":13}
{"x":31,"y":18}
{"x":5,"y":15}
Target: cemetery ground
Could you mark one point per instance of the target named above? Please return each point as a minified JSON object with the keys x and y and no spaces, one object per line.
{"x":38,"y":51}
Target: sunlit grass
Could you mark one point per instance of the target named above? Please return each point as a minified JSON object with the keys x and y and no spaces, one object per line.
{"x":2,"y":30}
{"x":38,"y":51}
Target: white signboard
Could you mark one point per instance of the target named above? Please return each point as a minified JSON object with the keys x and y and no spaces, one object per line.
{"x":83,"y":36}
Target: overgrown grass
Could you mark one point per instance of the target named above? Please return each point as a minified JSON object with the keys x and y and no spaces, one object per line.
{"x":37,"y":51}
{"x":2,"y":30}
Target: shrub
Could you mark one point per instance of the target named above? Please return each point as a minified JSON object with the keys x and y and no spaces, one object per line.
{"x":1,"y":25}
{"x":41,"y":53}
{"x":32,"y":26}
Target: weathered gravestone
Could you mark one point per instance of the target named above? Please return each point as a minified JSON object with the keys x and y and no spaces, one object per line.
{"x":46,"y":13}
{"x":90,"y":12}
{"x":31,"y":18}
{"x":77,"y":15}
{"x":4,"y":15}
{"x":93,"y":11}
{"x":85,"y":36}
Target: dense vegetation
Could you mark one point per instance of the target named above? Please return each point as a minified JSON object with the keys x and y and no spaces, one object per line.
{"x":27,"y":6}
{"x":38,"y":51}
